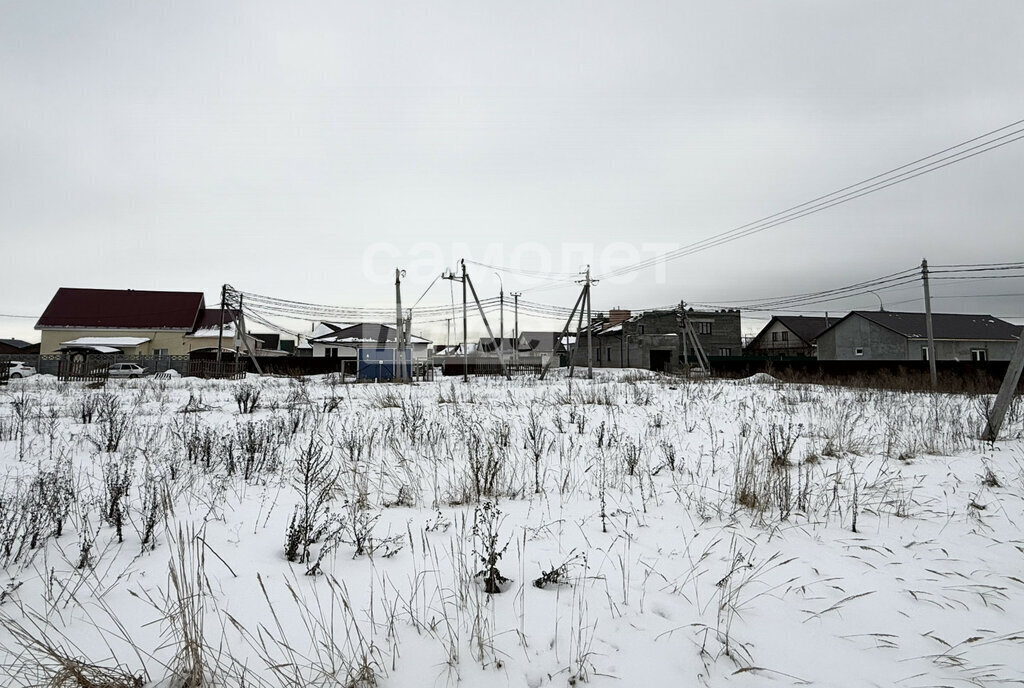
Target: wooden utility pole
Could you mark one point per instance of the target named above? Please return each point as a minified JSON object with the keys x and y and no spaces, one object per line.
{"x":239,"y":331}
{"x":1006,"y":390}
{"x":501,"y":363}
{"x":928,"y":326}
{"x":220,"y":333}
{"x":561,"y":335}
{"x":448,"y":275}
{"x":576,"y":341}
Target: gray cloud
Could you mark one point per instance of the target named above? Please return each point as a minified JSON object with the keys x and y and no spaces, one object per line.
{"x":180,"y":147}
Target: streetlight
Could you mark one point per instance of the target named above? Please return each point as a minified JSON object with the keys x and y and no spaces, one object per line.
{"x":881,"y":308}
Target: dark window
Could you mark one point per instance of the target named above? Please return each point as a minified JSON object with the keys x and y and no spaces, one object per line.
{"x":859,"y":351}
{"x":979,"y":355}
{"x":703,"y":328}
{"x":775,"y":336}
{"x":924,"y":353}
{"x":725,"y":351}
{"x":785,"y":336}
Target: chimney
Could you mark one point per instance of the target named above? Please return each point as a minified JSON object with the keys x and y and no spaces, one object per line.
{"x":617,"y":315}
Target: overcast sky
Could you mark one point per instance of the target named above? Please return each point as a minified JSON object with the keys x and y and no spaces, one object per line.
{"x":305,"y":150}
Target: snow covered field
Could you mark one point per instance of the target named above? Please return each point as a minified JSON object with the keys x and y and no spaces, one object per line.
{"x":641,"y":531}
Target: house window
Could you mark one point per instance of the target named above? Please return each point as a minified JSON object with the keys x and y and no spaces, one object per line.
{"x":979,"y":355}
{"x":775,"y":336}
{"x":641,"y":329}
{"x":785,"y":336}
{"x":609,"y":355}
{"x":161,"y":353}
{"x":703,"y":328}
{"x":859,"y":351}
{"x":598,"y":354}
{"x":725,"y":351}
{"x":924,"y":353}
{"x":331,"y":352}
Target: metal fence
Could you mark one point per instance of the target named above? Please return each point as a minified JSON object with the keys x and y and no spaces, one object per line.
{"x":224,"y":370}
{"x":488,"y":365}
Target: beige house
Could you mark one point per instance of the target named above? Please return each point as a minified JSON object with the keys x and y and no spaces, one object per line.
{"x":135,"y":323}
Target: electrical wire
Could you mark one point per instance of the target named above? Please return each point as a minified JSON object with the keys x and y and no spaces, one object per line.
{"x":838,"y":197}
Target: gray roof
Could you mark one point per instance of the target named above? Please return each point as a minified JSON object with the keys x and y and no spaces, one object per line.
{"x":16,"y":343}
{"x":805,"y":327}
{"x":542,"y":341}
{"x":945,"y":325}
{"x":510,"y":344}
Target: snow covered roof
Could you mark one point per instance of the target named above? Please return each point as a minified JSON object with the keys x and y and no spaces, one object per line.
{"x":115,"y":342}
{"x":229,"y":331}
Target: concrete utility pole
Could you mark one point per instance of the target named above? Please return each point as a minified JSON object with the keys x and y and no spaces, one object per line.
{"x":686,"y":335}
{"x":501,"y":325}
{"x":515,"y":352}
{"x":928,"y":325}
{"x":1006,"y":390}
{"x":590,"y":341}
{"x":399,"y":350}
{"x":220,"y":334}
{"x":465,"y":336}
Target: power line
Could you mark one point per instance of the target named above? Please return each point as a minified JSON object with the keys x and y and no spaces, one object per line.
{"x":840,"y":196}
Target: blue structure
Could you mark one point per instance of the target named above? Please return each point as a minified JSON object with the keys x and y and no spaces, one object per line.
{"x":382,"y":364}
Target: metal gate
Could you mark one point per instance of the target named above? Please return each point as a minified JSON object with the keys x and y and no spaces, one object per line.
{"x":382,"y":364}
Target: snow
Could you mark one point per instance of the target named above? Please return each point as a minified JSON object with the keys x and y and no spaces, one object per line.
{"x":884,"y":549}
{"x":116,"y":342}
{"x":229,"y":332}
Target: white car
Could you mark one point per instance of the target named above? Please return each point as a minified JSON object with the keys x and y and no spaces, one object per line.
{"x":19,"y":369}
{"x":129,"y":370}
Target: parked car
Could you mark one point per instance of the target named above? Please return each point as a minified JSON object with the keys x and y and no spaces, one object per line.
{"x":129,"y":370}
{"x":20,"y":369}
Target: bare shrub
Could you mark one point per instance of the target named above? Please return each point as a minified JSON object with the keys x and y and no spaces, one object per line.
{"x":118,"y":474}
{"x":561,"y":574}
{"x":257,"y":443}
{"x":781,"y":441}
{"x":486,"y":548}
{"x":537,"y":443}
{"x":316,"y":479}
{"x":113,"y":425}
{"x":247,"y":397}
